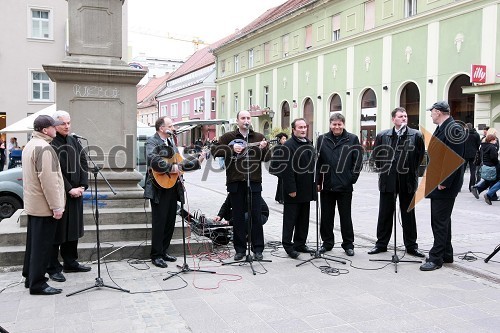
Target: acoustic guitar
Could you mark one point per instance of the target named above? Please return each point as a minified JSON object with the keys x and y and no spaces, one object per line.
{"x":166,"y":179}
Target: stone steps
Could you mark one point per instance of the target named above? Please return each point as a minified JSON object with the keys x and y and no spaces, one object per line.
{"x":110,"y":216}
{"x":119,"y":236}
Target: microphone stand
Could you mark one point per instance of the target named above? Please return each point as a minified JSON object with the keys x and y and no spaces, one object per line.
{"x":317,"y":254}
{"x":248,"y":257}
{"x":98,"y":280}
{"x":185,"y":267}
{"x":395,"y":259}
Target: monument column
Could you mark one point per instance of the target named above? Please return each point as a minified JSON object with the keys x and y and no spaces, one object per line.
{"x":98,"y":89}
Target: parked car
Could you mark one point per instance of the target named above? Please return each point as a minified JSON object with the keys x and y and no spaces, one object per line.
{"x":11,"y":192}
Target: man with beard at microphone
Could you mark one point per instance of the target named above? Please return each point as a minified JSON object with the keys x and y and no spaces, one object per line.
{"x":236,"y":154}
{"x":160,"y":147}
{"x":74,"y":170}
{"x":397,"y":154}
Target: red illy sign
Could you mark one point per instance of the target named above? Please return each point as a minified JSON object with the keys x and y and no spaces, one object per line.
{"x":478,"y":74}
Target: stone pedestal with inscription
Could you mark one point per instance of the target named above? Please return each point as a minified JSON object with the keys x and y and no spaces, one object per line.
{"x":98,"y":89}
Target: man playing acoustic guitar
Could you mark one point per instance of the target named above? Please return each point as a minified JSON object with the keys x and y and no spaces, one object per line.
{"x":244,"y":161}
{"x":163,"y":187}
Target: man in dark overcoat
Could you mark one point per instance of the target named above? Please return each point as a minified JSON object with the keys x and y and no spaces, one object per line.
{"x":397,"y":154}
{"x":452,"y":135}
{"x":74,"y":168}
{"x":295,"y":165}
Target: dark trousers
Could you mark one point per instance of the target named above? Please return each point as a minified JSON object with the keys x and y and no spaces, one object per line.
{"x":279,"y":191}
{"x":295,"y":224}
{"x":240,"y":227}
{"x":328,"y":202}
{"x":472,"y":170}
{"x":385,"y":224}
{"x":40,"y":236}
{"x":69,"y":254}
{"x":163,"y":221}
{"x":441,"y":210}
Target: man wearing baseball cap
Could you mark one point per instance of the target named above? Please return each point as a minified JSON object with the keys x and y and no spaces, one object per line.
{"x":452,"y":138}
{"x":44,"y":201}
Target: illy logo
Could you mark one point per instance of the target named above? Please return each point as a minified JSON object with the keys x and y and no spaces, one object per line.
{"x":478,"y":74}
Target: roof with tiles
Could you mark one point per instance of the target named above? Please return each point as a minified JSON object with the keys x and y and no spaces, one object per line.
{"x":200,"y":59}
{"x":269,"y":16}
{"x":147,"y":92}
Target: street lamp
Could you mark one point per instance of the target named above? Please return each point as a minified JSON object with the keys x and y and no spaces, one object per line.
{"x":271,"y":114}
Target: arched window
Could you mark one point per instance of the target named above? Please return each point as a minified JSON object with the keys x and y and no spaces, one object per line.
{"x":462,"y":106}
{"x":335,"y":104}
{"x":267,"y":129}
{"x":309,"y":117}
{"x":410,"y":100}
{"x":368,"y":121}
{"x":285,"y":115}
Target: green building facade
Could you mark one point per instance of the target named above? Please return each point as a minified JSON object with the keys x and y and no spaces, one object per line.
{"x":363,"y":59}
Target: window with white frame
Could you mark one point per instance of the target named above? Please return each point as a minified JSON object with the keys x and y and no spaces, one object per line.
{"x":308,"y":40}
{"x":198,"y":104}
{"x":369,"y":15}
{"x":267,"y":52}
{"x":250,"y":98}
{"x":222,"y":67}
{"x":163,"y":110}
{"x":266,"y":96}
{"x":41,"y":86}
{"x":335,"y":27}
{"x":174,"y":112}
{"x":40,"y":23}
{"x":236,"y":107}
{"x":284,"y":42}
{"x":410,"y":8}
{"x":185,"y":107}
{"x":250,"y":58}
{"x":212,"y":106}
{"x":237,"y":63}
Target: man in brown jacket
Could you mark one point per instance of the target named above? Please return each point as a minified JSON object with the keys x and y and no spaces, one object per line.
{"x":44,"y":201}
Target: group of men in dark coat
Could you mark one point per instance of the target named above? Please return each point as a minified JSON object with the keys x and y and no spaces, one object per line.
{"x":337,"y":160}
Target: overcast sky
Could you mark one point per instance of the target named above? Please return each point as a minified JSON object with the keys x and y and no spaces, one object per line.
{"x":151,"y":21}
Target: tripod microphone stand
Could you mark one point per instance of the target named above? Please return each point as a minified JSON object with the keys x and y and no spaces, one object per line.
{"x":99,"y":283}
{"x":317,"y":254}
{"x":395,"y":259}
{"x":185,"y":267}
{"x":492,"y":253}
{"x":248,"y":257}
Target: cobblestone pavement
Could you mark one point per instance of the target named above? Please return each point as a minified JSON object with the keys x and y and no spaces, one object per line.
{"x":321,"y":296}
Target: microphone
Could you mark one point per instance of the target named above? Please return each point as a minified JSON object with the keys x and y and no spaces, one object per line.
{"x":169,"y":132}
{"x":76,"y":136}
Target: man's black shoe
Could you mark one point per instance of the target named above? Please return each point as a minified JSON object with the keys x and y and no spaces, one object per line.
{"x":76,"y":269}
{"x":429,"y":266}
{"x":58,"y":277}
{"x":323,"y":249}
{"x":303,"y":249}
{"x":159,"y":262}
{"x":47,"y":291}
{"x":474,"y":192}
{"x":168,"y":257}
{"x":293,"y":254}
{"x":376,"y":250}
{"x":487,"y":199}
{"x":258,"y":256}
{"x":239,"y":256}
{"x":349,"y":252}
{"x":416,"y":253}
